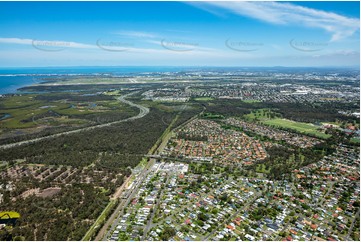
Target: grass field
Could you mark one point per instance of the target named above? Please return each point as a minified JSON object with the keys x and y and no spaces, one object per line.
{"x":171,"y":108}
{"x":21,"y":108}
{"x":204,"y":99}
{"x":269,"y":117}
{"x":27,"y":112}
{"x":298,"y":126}
{"x":260,"y":114}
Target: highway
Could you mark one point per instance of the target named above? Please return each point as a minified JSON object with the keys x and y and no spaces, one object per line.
{"x":130,"y":194}
{"x":142,"y":112}
{"x":127,"y":198}
{"x":150,"y":221}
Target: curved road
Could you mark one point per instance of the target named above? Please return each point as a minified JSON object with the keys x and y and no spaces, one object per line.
{"x":142,"y":112}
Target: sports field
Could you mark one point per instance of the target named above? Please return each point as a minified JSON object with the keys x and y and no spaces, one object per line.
{"x":298,"y":126}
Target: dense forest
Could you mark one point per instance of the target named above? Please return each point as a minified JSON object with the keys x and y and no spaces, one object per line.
{"x":133,"y":137}
{"x":103,"y":156}
{"x":301,"y":112}
{"x":67,"y":216}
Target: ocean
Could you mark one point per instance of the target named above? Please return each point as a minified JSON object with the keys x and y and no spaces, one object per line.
{"x":11,"y":79}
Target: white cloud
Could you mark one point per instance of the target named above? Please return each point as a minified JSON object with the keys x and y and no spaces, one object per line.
{"x":47,"y":43}
{"x":290,"y":14}
{"x":164,"y":48}
{"x":136,"y":34}
{"x":16,"y":41}
{"x":136,"y":57}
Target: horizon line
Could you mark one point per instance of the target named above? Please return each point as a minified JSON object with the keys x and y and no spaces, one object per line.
{"x":180,"y":66}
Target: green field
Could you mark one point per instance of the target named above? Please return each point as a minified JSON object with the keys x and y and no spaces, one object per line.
{"x":261,"y":114}
{"x":269,"y":117}
{"x":27,"y":111}
{"x":298,"y":126}
{"x":170,"y":107}
{"x":204,"y":99}
{"x":212,"y":116}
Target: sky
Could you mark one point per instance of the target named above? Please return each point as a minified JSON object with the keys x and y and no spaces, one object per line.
{"x":315,"y":34}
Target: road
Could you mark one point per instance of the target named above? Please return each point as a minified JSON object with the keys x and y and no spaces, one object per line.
{"x":352,"y":225}
{"x":142,"y":112}
{"x":111,"y":224}
{"x":150,"y":221}
{"x":105,"y":233}
{"x":129,"y":196}
{"x":328,"y":192}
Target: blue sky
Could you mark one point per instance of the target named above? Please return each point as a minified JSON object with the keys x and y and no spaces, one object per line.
{"x":179,"y":34}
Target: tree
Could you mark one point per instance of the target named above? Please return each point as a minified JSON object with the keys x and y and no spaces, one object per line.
{"x":167,"y":233}
{"x":202,"y":216}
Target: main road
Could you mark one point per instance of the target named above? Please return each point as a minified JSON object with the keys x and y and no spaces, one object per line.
{"x":113,"y":221}
{"x":142,"y":112}
{"x":107,"y":229}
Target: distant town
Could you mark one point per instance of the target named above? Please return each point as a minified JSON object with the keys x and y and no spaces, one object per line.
{"x":183,"y":156}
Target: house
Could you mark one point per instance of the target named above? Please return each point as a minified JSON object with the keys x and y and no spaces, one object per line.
{"x":230,"y":227}
{"x":313,"y":226}
{"x":272,"y":226}
{"x":250,"y":237}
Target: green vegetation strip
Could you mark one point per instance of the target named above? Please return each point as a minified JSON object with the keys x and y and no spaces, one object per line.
{"x":212,"y":116}
{"x":98,"y":223}
{"x":165,"y":133}
{"x":251,"y":101}
{"x":204,"y":99}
